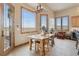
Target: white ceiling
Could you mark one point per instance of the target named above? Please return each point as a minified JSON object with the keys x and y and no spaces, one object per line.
{"x":61,"y":6}
{"x":33,"y":4}
{"x":57,"y":6}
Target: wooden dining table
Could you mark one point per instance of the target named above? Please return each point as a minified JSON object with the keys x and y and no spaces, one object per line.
{"x":41,"y":38}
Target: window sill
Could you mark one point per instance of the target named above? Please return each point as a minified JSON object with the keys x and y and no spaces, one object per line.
{"x":28,"y":32}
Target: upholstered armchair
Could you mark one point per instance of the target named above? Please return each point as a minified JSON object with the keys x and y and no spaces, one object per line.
{"x":60,"y":35}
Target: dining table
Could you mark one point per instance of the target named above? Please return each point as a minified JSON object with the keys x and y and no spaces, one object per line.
{"x":40,"y":37}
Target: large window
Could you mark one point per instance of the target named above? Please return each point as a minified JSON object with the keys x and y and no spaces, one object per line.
{"x":62,"y":23}
{"x":52,"y":23}
{"x":9,"y":11}
{"x":28,"y":20}
{"x":58,"y":23}
{"x":65,"y":23}
{"x":44,"y":20}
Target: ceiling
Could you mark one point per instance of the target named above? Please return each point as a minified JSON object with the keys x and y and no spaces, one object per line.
{"x":61,"y":6}
{"x":33,"y":4}
{"x":57,"y":6}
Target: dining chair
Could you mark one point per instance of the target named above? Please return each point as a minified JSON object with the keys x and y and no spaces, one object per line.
{"x":42,"y":46}
{"x":51,"y":41}
{"x":30,"y":44}
{"x":37,"y":42}
{"x":46,"y":44}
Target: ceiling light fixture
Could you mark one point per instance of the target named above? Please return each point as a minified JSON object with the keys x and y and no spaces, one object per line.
{"x":40,"y":8}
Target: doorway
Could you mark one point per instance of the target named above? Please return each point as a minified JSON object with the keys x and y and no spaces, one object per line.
{"x":7,"y":29}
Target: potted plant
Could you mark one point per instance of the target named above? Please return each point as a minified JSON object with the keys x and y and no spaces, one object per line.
{"x":44,"y":30}
{"x":10,"y":12}
{"x":51,"y":30}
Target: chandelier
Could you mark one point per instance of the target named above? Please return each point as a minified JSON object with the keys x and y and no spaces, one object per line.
{"x":40,"y":8}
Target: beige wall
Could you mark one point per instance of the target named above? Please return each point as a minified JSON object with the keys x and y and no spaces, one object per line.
{"x":1,"y":23}
{"x":74,"y":11}
{"x":22,"y":38}
{"x":51,"y":14}
{"x":19,"y":38}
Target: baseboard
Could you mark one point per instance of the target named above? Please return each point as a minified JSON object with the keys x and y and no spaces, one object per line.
{"x":21,"y":44}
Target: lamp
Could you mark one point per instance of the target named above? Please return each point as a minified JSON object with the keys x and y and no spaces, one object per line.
{"x":40,"y":8}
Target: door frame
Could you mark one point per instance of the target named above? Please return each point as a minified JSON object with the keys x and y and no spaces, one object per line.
{"x":12,"y":31}
{"x":1,"y":31}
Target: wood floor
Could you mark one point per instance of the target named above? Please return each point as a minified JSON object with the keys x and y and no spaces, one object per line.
{"x":61,"y":48}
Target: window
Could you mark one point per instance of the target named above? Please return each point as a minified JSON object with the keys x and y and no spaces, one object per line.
{"x":62,"y":23}
{"x":44,"y":20}
{"x":65,"y":23}
{"x":8,"y":15}
{"x":58,"y":23}
{"x":7,"y":43}
{"x":28,"y":20}
{"x":51,"y":23}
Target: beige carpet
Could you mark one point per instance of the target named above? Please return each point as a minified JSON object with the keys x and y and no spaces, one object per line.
{"x":61,"y":48}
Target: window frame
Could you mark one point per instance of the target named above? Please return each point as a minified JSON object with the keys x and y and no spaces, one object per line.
{"x":68,"y":22}
{"x":56,"y":23}
{"x":24,"y":32}
{"x":13,"y":30}
{"x":46,"y":20}
{"x":61,"y":23}
{"x":53,"y":24}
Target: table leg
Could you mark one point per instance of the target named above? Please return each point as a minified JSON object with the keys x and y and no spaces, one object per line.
{"x":35,"y":46}
{"x":76,"y":44}
{"x":42,"y":52}
{"x":30,"y":44}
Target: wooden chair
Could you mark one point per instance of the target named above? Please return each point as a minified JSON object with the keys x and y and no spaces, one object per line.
{"x":39,"y":46}
{"x":42,"y":46}
{"x":51,"y":40}
{"x":33,"y":42}
{"x":46,"y":44}
{"x":37,"y":42}
{"x":61,"y":35}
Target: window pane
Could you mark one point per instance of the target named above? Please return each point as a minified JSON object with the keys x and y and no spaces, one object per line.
{"x":28,"y":20}
{"x":52,"y":23}
{"x":43,"y":21}
{"x":58,"y":23}
{"x":7,"y":35}
{"x":65,"y":23}
{"x":6,"y":18}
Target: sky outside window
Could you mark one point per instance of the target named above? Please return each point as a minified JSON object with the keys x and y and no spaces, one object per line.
{"x":43,"y":21}
{"x":6,"y":19}
{"x":58,"y":21}
{"x":62,"y":22}
{"x":52,"y":23}
{"x":65,"y":21}
{"x":28,"y":19}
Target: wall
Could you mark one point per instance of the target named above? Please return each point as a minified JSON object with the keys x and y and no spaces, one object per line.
{"x":1,"y":23}
{"x":22,"y":38}
{"x":51,"y":14}
{"x":73,"y":11}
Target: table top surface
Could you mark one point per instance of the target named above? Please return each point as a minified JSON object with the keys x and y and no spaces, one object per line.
{"x":40,"y":36}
